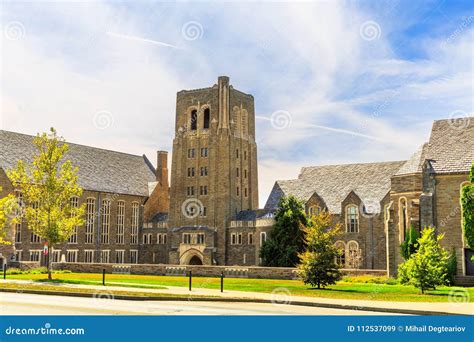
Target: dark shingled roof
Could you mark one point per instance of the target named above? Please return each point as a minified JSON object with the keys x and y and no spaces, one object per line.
{"x":451,"y":145}
{"x":252,"y":215}
{"x":99,"y":169}
{"x":371,"y":182}
{"x":160,"y":217}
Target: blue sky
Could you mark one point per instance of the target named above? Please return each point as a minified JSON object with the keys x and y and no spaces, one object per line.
{"x":354,"y":81}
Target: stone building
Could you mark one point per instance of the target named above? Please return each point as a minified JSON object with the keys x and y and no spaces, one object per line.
{"x":209,"y":213}
{"x":377,"y":203}
{"x":355,"y":194}
{"x":119,"y":190}
{"x":214,"y":171}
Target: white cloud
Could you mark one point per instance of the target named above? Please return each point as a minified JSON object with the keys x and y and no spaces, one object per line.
{"x":305,"y":58}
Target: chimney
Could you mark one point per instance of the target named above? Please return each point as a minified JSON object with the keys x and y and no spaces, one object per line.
{"x":162,"y":168}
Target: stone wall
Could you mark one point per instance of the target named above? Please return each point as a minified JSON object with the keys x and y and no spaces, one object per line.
{"x":204,"y":271}
{"x":23,"y":265}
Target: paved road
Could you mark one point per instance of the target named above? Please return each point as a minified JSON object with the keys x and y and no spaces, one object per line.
{"x":31,"y":304}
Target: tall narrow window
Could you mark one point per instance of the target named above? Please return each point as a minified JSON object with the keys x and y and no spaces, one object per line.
{"x":194,"y":120}
{"x":403,"y":218}
{"x":134,"y":227}
{"x":104,"y":236}
{"x":207,"y":117}
{"x":74,"y":204}
{"x":352,"y":219}
{"x":90,"y":220}
{"x":120,"y":222}
{"x":341,"y":257}
{"x":19,"y":197}
{"x":263,"y":237}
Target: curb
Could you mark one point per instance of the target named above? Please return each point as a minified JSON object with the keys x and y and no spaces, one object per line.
{"x":242,"y":300}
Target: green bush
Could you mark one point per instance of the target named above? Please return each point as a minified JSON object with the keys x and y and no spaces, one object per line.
{"x":14,"y":271}
{"x":427,"y":267}
{"x":38,"y":270}
{"x":410,"y":245}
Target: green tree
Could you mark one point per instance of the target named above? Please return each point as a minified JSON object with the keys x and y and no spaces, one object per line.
{"x":427,"y":267}
{"x":318,"y":266}
{"x":8,"y":206}
{"x":47,"y":185}
{"x":467,"y":204}
{"x":286,"y":239}
{"x":410,"y":245}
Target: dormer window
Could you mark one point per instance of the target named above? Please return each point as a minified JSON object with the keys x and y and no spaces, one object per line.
{"x":314,"y":210}
{"x":352,"y":219}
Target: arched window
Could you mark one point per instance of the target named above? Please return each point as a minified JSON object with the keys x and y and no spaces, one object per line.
{"x":341,"y":258}
{"x":352,"y":219}
{"x":194,"y":120}
{"x":403,"y":218}
{"x":207,"y":118}
{"x":314,"y":210}
{"x":354,"y":255}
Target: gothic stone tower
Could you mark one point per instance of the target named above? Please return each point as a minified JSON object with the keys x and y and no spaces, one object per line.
{"x":213,"y":172}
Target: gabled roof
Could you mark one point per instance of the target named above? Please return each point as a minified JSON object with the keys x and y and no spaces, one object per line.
{"x":333,"y":183}
{"x":99,"y":169}
{"x":451,"y":145}
{"x":415,"y":163}
{"x":450,"y":148}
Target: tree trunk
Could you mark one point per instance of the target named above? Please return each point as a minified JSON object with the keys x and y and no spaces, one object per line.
{"x":319,"y":285}
{"x":48,"y":260}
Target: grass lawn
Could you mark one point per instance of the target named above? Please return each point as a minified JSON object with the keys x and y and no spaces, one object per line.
{"x":353,"y":289}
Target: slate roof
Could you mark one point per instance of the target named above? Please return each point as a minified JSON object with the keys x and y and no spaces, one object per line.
{"x":371,"y":182}
{"x":252,"y":215}
{"x":99,"y":169}
{"x":415,"y":163}
{"x":451,"y":145}
{"x":160,"y":217}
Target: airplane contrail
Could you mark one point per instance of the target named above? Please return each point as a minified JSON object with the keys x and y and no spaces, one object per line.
{"x":143,"y":40}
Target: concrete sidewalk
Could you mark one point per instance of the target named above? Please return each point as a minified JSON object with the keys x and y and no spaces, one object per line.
{"x":281,"y":296}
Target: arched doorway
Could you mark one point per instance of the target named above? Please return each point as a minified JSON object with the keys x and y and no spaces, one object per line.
{"x":195,"y":260}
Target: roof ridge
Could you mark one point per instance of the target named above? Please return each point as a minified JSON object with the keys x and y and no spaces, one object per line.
{"x":82,"y":145}
{"x":351,"y":164}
